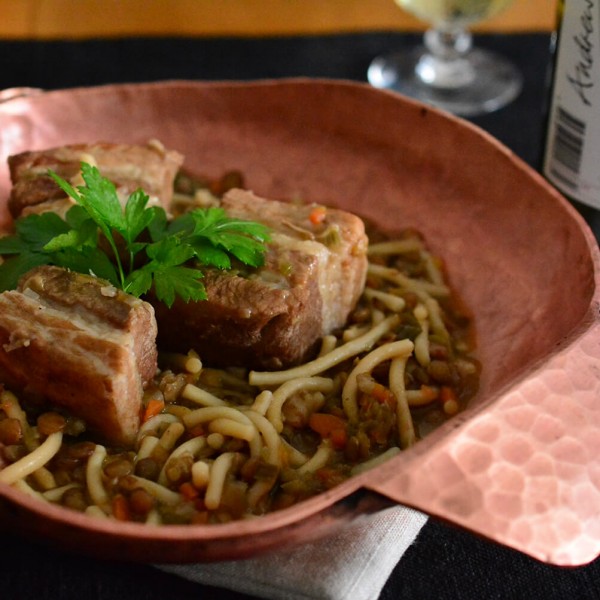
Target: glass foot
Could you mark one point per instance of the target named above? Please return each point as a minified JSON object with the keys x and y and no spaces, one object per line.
{"x":495,"y":81}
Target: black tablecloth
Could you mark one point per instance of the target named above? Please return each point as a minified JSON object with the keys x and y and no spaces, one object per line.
{"x":445,"y":562}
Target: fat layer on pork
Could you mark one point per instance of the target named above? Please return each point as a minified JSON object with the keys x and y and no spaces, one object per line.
{"x":80,"y":344}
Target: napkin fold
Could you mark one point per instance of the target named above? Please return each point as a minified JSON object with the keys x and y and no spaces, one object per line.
{"x":355,"y":563}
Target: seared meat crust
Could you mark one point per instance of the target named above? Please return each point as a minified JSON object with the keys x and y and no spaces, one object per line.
{"x":247,"y":321}
{"x":129,"y":167}
{"x":78,"y":343}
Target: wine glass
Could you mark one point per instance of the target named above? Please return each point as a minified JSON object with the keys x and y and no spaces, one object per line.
{"x":447,"y":71}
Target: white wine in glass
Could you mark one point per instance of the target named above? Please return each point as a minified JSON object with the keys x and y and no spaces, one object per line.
{"x":447,"y":71}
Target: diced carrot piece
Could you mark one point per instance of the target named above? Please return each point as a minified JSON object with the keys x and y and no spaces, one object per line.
{"x":196,"y":431}
{"x":317,"y":215}
{"x":188,"y":491}
{"x":330,"y":426}
{"x":120,"y":508}
{"x":429,"y":393}
{"x":153,"y":408}
{"x":449,"y":400}
{"x":383,"y":395}
{"x":447,"y":393}
{"x":324,"y":423}
{"x":338,"y":437}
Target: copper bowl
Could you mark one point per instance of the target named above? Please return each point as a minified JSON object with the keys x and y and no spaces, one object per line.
{"x":520,"y":466}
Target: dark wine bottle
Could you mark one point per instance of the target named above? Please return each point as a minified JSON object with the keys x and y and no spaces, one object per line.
{"x":571,"y":158}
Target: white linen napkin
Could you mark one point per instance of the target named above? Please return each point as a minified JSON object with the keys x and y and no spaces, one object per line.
{"x":355,"y":563}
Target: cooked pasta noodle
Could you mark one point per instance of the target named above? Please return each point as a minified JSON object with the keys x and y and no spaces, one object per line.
{"x":200,"y":396}
{"x":177,"y":411}
{"x":258,"y":491}
{"x":329,"y":360}
{"x":402,"y":280}
{"x":401,"y":348}
{"x":216,"y":480}
{"x":291,"y":387}
{"x":160,"y":492}
{"x":435,"y":319}
{"x":147,"y":446}
{"x":317,"y":461}
{"x":32,"y":461}
{"x":328,"y":343}
{"x":406,"y":429}
{"x":262,"y":402}
{"x":55,"y":494}
{"x":422,"y":340}
{"x":423,"y":396}
{"x":210,"y":413}
{"x":215,"y":440}
{"x":200,"y":474}
{"x":24,"y":487}
{"x":433,"y":271}
{"x":391,"y":301}
{"x":269,"y":434}
{"x":294,"y":456}
{"x":202,"y":415}
{"x":96,"y":512}
{"x":229,"y":427}
{"x":153,"y":518}
{"x":172,"y":433}
{"x":191,"y":447}
{"x":377,"y":316}
{"x":156,"y":423}
{"x":44,"y":478}
{"x":351,"y":333}
{"x":94,"y":476}
{"x":187,"y":362}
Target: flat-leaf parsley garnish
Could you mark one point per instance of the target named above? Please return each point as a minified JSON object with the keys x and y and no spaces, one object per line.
{"x":136,"y":247}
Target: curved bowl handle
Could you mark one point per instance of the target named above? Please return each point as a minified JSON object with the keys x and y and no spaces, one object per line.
{"x":526,"y":471}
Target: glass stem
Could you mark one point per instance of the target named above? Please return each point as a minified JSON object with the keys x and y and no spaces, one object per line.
{"x":445,"y":62}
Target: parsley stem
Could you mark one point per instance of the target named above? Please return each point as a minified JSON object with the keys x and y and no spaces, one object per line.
{"x":115,"y":250}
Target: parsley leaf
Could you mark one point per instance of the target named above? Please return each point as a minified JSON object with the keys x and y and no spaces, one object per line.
{"x":12,"y":269}
{"x":215,"y":236}
{"x":135,"y":246}
{"x":99,"y":199}
{"x":137,"y":218}
{"x":26,"y":247}
{"x":37,"y":230}
{"x":87,"y":260}
{"x":166,"y":271}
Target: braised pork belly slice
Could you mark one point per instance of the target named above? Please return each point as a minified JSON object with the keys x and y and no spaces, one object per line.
{"x":336,"y":238}
{"x":274,"y":318}
{"x":78,"y":343}
{"x":149,"y":167}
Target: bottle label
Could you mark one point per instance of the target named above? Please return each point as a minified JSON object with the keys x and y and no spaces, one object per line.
{"x":572,"y":159}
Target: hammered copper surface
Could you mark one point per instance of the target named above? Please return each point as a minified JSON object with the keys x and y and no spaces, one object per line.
{"x":521,"y":465}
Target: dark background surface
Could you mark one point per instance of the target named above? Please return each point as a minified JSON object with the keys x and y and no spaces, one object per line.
{"x":53,"y":65}
{"x":444,"y":562}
